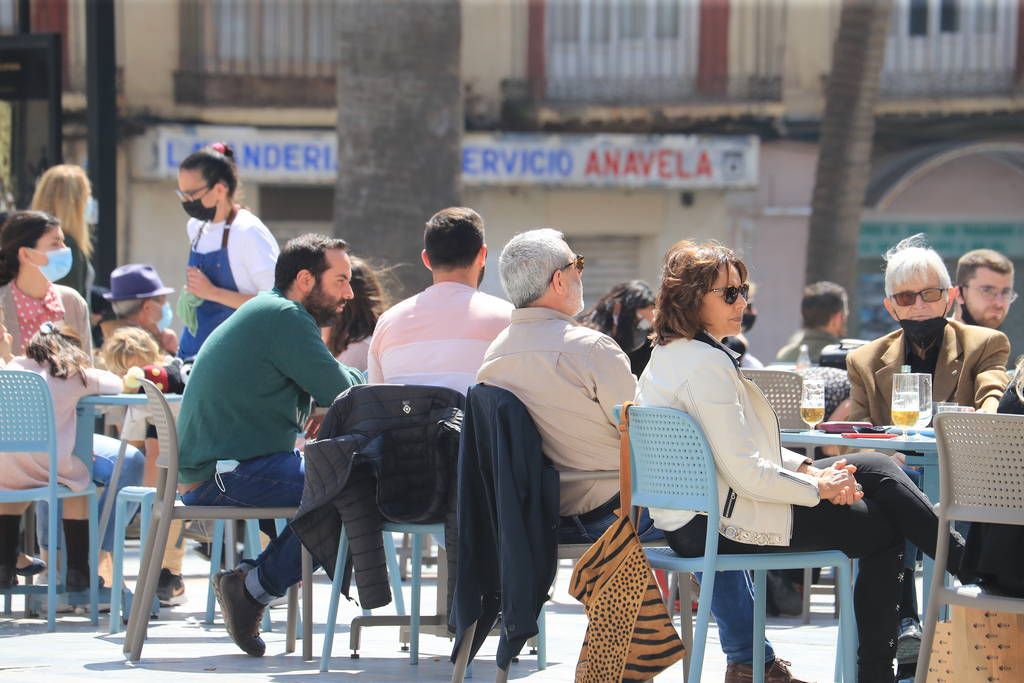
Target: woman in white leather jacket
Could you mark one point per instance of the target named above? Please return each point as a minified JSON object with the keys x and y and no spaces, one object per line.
{"x":773,"y":499}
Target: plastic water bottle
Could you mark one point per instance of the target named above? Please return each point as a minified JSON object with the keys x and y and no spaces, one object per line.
{"x":803,"y":360}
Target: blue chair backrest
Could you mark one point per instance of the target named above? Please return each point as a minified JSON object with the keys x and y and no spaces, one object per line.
{"x":26,"y":414}
{"x":670,"y":462}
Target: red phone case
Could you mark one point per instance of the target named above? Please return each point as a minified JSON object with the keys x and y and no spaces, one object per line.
{"x":855,"y":435}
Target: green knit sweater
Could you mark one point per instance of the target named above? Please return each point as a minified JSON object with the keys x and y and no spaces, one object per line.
{"x":249,"y":390}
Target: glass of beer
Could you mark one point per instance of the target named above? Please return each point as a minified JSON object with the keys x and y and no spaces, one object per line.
{"x":812,"y":402}
{"x":906,"y":397}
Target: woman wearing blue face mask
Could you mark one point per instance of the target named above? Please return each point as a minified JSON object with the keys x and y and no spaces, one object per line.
{"x":33,"y":256}
{"x":139,"y":299}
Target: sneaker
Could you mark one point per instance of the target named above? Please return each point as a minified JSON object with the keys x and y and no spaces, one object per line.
{"x":909,"y":642}
{"x":170,"y":590}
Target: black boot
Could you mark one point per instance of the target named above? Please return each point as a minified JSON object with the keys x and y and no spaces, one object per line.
{"x":10,"y":525}
{"x":242,"y":612}
{"x":76,"y":540}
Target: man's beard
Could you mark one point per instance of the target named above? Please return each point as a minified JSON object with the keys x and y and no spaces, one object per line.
{"x":323,"y":309}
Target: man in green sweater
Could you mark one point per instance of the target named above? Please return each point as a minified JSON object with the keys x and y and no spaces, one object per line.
{"x":246,"y":399}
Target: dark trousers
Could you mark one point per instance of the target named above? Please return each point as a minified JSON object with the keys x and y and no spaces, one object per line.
{"x":873,"y":530}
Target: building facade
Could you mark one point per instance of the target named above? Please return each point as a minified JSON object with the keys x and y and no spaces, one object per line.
{"x":628,"y":125}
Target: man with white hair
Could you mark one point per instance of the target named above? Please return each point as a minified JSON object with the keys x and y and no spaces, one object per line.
{"x":570,"y":378}
{"x":967,"y":364}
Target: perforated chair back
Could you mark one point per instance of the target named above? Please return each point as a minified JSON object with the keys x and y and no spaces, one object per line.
{"x":782,"y":388}
{"x":981,"y":467}
{"x":981,"y":473}
{"x":26,"y":420}
{"x":26,"y":413}
{"x":670,"y":463}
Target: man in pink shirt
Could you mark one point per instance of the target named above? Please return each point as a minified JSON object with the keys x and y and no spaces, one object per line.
{"x":439,"y":336}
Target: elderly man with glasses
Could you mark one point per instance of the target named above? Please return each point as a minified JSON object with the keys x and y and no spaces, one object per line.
{"x":967,"y":364}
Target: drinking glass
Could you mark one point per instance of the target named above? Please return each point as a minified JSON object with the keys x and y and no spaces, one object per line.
{"x":906,"y":394}
{"x":924,"y":400}
{"x":812,"y":402}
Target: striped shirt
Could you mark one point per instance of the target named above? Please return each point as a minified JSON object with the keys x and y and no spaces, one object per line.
{"x":437,"y":338}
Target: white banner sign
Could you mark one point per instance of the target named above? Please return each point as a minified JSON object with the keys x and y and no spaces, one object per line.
{"x":678,"y":162}
{"x":669,"y":161}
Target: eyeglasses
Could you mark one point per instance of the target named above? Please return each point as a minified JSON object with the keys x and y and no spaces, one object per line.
{"x":190,"y":195}
{"x":993,"y":293}
{"x":929,"y":296}
{"x":730,"y":294}
{"x":576,"y":261}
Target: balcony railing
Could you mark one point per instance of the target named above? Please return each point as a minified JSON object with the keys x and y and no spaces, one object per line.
{"x":941,"y":48}
{"x":657,"y":51}
{"x":257,"y":52}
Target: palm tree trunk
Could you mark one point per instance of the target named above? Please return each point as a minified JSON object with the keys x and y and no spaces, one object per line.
{"x":399,"y":126}
{"x":847,"y":129}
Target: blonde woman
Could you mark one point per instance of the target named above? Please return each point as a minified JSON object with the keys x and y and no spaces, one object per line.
{"x":64,"y":191}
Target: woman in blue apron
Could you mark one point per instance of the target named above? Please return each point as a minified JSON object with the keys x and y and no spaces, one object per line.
{"x":232,"y":253}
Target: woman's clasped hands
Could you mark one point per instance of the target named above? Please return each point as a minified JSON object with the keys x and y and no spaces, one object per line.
{"x":836,"y":483}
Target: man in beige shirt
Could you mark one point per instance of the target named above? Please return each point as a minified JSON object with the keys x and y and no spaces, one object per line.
{"x":570,"y":378}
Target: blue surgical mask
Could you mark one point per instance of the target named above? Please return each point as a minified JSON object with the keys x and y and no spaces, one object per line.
{"x":58,"y":265}
{"x":92,"y":211}
{"x":166,"y":316}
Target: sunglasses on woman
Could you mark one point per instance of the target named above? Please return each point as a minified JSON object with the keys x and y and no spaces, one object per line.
{"x":730,"y":294}
{"x":929,"y":296}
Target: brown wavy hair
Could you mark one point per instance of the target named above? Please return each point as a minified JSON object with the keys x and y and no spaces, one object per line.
{"x":689,"y":272}
{"x":59,"y":347}
{"x":359,"y":317}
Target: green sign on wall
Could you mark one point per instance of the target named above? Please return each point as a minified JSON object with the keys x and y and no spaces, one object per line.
{"x":950,"y":239}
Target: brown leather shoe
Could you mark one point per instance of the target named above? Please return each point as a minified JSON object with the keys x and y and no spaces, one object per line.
{"x":242,"y":613}
{"x":775,"y":672}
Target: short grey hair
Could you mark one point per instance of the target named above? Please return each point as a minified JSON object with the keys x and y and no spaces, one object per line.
{"x":913,"y":258}
{"x":527,"y":263}
{"x":127,"y":307}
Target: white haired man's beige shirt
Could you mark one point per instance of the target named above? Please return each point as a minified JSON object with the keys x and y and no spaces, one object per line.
{"x":570,"y":378}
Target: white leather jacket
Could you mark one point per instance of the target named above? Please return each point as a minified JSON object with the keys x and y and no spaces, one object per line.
{"x":757,"y":479}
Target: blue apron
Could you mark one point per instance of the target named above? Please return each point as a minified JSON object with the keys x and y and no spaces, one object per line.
{"x":217,"y":267}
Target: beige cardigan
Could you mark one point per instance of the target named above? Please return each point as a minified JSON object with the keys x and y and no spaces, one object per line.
{"x":76,"y":315}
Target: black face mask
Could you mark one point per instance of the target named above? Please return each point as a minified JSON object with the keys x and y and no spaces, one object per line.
{"x":965,"y":313}
{"x":196,"y":209}
{"x":748,"y":320}
{"x":924,"y":333}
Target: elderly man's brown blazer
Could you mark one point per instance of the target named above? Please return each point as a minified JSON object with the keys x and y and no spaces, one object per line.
{"x":971,"y":371}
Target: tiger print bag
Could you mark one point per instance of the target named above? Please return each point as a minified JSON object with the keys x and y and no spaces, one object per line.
{"x":630,"y":636}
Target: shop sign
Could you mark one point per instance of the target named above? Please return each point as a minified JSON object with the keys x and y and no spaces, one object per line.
{"x":309,"y":156}
{"x":659,"y":161}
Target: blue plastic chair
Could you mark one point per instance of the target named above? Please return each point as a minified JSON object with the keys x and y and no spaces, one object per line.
{"x":129,"y":499}
{"x":27,"y":426}
{"x":418,"y":532}
{"x":672,"y":468}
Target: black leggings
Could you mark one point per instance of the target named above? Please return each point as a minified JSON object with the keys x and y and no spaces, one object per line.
{"x":872,"y":530}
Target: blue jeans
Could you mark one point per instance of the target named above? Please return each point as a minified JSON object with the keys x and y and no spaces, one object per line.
{"x":274,"y":480}
{"x":105,"y":450}
{"x":732,"y":602}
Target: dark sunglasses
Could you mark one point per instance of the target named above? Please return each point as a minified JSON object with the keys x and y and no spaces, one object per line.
{"x":730,"y":294}
{"x":929,"y":296}
{"x":576,"y":261}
